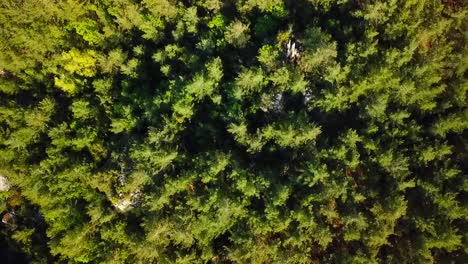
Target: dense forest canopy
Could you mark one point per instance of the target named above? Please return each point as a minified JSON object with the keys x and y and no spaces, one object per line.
{"x":250,"y":131}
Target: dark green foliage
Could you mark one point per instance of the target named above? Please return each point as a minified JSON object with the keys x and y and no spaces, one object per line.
{"x":163,"y":131}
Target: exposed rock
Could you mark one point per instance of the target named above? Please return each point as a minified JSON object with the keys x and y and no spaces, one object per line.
{"x":307,"y":96}
{"x":123,"y":204}
{"x":277,"y":104}
{"x":9,"y":219}
{"x":291,"y":51}
{"x":137,"y":198}
{"x":127,"y":202}
{"x":4,"y":184}
{"x":122,"y":177}
{"x":273,"y":103}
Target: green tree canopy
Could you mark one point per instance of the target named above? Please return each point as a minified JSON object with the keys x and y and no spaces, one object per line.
{"x":208,"y":131}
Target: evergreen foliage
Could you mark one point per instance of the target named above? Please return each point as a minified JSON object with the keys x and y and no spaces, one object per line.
{"x":209,"y":131}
